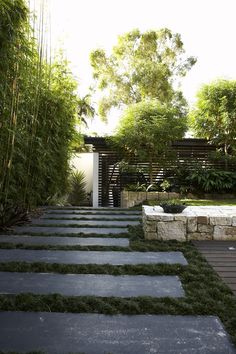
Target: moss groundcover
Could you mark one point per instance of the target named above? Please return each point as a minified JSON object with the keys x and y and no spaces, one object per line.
{"x":206,"y":294}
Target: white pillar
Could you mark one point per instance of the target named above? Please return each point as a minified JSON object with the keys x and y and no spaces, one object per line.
{"x":95,"y":178}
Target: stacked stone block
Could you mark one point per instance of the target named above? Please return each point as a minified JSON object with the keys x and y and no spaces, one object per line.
{"x":194,"y":223}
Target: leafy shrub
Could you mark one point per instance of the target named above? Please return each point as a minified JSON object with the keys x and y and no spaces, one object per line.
{"x":77,"y":195}
{"x":137,"y":187}
{"x":165,"y":185}
{"x":211,"y":180}
{"x":11,"y":215}
{"x":173,"y":206}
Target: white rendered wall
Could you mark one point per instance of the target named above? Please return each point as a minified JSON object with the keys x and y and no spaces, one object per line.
{"x":95,"y":179}
{"x":84,"y":162}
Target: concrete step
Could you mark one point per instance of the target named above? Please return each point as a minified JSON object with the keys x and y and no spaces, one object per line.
{"x":47,"y":230}
{"x":93,"y":223}
{"x":91,"y":257}
{"x":64,"y":241}
{"x":91,"y":216}
{"x":92,"y":211}
{"x":90,"y":285}
{"x":60,"y":333}
{"x":110,"y":209}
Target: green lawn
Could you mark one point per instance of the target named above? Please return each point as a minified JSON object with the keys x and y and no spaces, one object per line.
{"x":193,"y":202}
{"x":201,"y":202}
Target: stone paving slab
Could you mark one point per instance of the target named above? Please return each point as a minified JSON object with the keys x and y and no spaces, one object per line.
{"x":90,"y":217}
{"x":65,"y":241}
{"x":110,"y":209}
{"x":60,"y":333}
{"x":90,"y":285}
{"x":91,"y":257}
{"x":47,"y":230}
{"x":104,"y":212}
{"x":115,"y":223}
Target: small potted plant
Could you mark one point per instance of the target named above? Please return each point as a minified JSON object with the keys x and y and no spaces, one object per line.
{"x":174,"y":206}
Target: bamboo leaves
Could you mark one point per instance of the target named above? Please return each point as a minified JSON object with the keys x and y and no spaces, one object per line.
{"x":38,"y":108}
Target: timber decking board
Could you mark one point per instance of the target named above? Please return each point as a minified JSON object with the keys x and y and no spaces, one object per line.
{"x":221,"y":258}
{"x":223,"y":264}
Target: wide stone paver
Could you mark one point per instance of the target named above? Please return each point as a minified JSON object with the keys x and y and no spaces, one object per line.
{"x":91,"y":211}
{"x":115,"y":223}
{"x":64,"y":241}
{"x":91,"y":257}
{"x":88,"y":209}
{"x":90,"y":285}
{"x":57,"y":333}
{"x":47,"y":230}
{"x":90,"y":216}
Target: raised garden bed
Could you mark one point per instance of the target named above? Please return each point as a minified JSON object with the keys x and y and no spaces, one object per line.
{"x":194,"y":223}
{"x":130,"y":199}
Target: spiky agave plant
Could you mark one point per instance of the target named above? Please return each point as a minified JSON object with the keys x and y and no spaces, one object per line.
{"x":77,"y":194}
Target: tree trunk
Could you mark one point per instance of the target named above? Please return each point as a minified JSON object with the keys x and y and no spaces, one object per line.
{"x":151,"y":169}
{"x":226,"y":156}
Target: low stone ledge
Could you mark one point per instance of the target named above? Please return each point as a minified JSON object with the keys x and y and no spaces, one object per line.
{"x":194,"y":223}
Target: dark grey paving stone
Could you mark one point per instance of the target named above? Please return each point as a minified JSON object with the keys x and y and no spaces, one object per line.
{"x":64,"y":241}
{"x":115,"y":223}
{"x":57,"y":333}
{"x":91,"y":257}
{"x":90,"y":217}
{"x":110,"y":209}
{"x":90,"y":285}
{"x":47,"y":230}
{"x":104,"y":212}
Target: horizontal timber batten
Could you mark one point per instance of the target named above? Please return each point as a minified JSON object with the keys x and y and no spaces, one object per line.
{"x":187,"y":154}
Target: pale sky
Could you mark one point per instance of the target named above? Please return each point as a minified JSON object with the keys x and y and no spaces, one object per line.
{"x":207,"y":28}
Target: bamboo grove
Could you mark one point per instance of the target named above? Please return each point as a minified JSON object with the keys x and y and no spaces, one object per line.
{"x":38,"y":108}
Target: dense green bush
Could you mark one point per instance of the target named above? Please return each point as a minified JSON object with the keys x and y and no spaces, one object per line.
{"x":11,"y":215}
{"x":211,"y":181}
{"x":38,"y":107}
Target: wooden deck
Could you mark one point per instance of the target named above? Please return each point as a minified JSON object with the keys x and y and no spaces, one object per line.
{"x":221,"y":255}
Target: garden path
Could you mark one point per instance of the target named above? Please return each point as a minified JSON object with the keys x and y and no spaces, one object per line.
{"x":78,"y":332}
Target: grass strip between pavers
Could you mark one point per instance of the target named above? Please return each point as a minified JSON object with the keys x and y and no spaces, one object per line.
{"x":5,"y":245}
{"x":80,"y":226}
{"x":206,"y":294}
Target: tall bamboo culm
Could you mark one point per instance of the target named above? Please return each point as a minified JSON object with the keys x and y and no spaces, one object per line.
{"x":38,"y":105}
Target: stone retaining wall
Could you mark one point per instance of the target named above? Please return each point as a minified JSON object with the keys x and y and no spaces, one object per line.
{"x":130,"y":199}
{"x":194,"y":223}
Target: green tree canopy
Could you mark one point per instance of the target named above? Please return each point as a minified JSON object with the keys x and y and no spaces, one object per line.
{"x":141,"y":66}
{"x":85,"y":109}
{"x":147,"y":129}
{"x":214,"y":116}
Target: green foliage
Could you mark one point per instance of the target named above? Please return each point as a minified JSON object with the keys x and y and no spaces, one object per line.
{"x":210,"y":180}
{"x":85,"y":109}
{"x":38,"y":107}
{"x":173,"y":206}
{"x":147,"y":129}
{"x":165,"y":185}
{"x":141,"y":66}
{"x":77,"y":194}
{"x":214,"y":116}
{"x":136,"y":187}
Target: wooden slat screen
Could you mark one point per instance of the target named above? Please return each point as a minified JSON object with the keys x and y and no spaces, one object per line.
{"x":188,"y":154}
